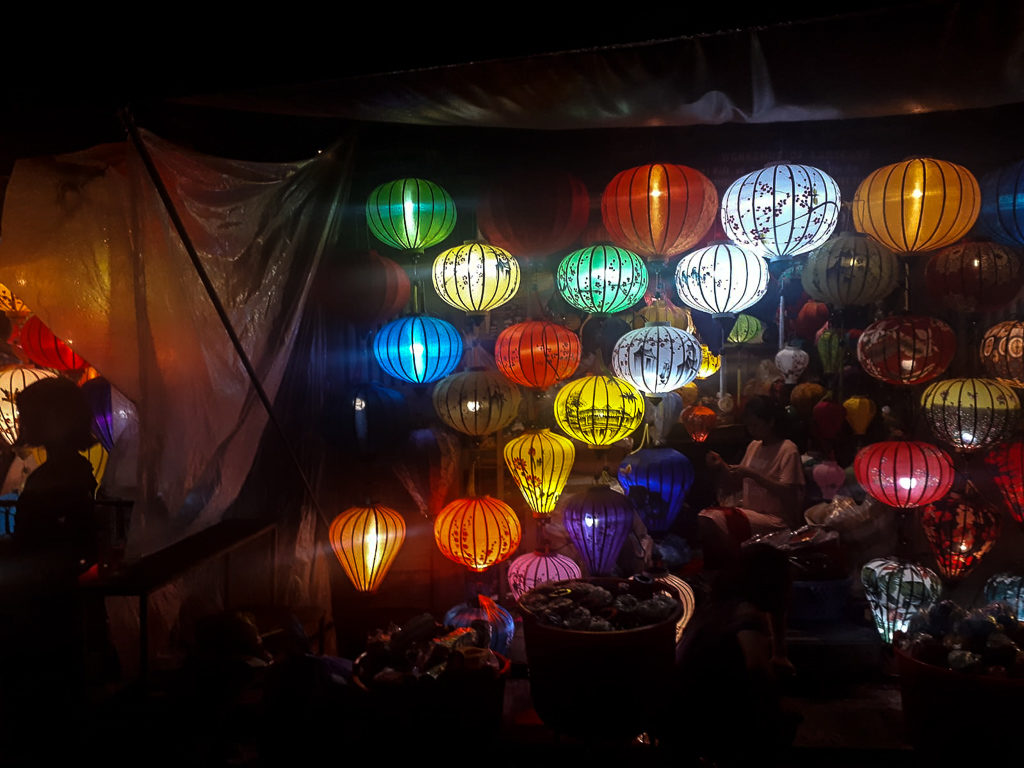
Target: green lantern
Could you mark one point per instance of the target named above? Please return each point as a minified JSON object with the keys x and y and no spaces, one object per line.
{"x":410,"y":214}
{"x":602,"y":279}
{"x":747,"y":328}
{"x":830,"y":350}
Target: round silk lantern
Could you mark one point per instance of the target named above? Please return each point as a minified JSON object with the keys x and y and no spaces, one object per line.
{"x":860,"y":411}
{"x":1006,"y":461}
{"x":970,"y":413}
{"x":747,"y":328}
{"x":829,"y":477}
{"x":598,"y":520}
{"x":539,"y":462}
{"x":418,"y":348}
{"x":656,"y":480}
{"x":45,"y":349}
{"x":905,"y":350}
{"x":710,"y":363}
{"x":904,"y":473}
{"x":112,"y":412}
{"x":476,"y":277}
{"x":599,"y":410}
{"x":698,"y":420}
{"x":960,"y":529}
{"x":1002,"y":352}
{"x":658,"y":210}
{"x":10,"y":304}
{"x":13,"y":379}
{"x":805,"y":396}
{"x":482,"y":608}
{"x":792,"y":362}
{"x":410,"y":214}
{"x":781,"y":210}
{"x":830,"y":351}
{"x":476,"y":402}
{"x":921,"y":204}
{"x":369,"y":419}
{"x":362,"y":287}
{"x":850,"y":270}
{"x":540,"y":567}
{"x":1002,"y":204}
{"x":721,"y":279}
{"x":810,"y":319}
{"x":657,"y":358}
{"x":366,"y":541}
{"x":537,"y":353}
{"x":477,"y":532}
{"x":974,"y":276}
{"x":602,"y":279}
{"x":1006,"y":588}
{"x":897,"y":589}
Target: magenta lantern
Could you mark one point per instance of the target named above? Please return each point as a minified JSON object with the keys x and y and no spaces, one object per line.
{"x":904,"y":473}
{"x":540,"y":567}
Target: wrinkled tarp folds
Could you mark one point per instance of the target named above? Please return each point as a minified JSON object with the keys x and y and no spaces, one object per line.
{"x":901,"y":60}
{"x":88,"y":245}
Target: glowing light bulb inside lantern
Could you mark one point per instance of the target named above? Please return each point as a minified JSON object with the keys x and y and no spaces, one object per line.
{"x":917,"y":193}
{"x":410,"y":217}
{"x":359,"y":404}
{"x":963,"y":546}
{"x":418,"y":353}
{"x":977,"y":262}
{"x":907,"y":483}
{"x":472,"y":406}
{"x":907,"y":365}
{"x":967,"y":438}
{"x":589,"y":520}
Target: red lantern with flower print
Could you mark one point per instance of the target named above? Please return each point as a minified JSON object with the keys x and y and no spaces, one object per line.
{"x":904,"y":473}
{"x":45,"y":349}
{"x":1006,"y":462}
{"x":905,"y":350}
{"x":974,"y":276}
{"x":477,"y":531}
{"x":537,"y":353}
{"x":961,"y":528}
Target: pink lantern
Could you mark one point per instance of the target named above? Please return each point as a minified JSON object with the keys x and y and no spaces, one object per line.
{"x":540,"y":567}
{"x":829,"y":477}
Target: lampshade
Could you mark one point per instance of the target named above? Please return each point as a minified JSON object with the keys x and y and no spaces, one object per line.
{"x":973,"y":276}
{"x":45,"y":349}
{"x":792,"y":362}
{"x":13,"y":379}
{"x":540,"y":462}
{"x":598,"y":520}
{"x":410,"y":214}
{"x":830,"y":351}
{"x":781,"y":210}
{"x":970,"y":413}
{"x":860,"y":411}
{"x":657,"y":358}
{"x":829,"y":477}
{"x":539,"y":567}
{"x":477,"y":531}
{"x":418,"y":348}
{"x":850,"y":270}
{"x":1002,"y":352}
{"x":1006,"y":461}
{"x":10,"y":304}
{"x":905,"y":350}
{"x":1005,"y":587}
{"x":112,"y":412}
{"x":602,"y":279}
{"x":904,"y":473}
{"x":599,"y":410}
{"x":921,"y":204}
{"x":366,"y":541}
{"x":710,"y":363}
{"x":482,"y":608}
{"x":805,"y":396}
{"x":698,"y":420}
{"x":747,"y":328}
{"x":537,"y":353}
{"x":476,"y":277}
{"x":476,"y":402}
{"x":658,"y":210}
{"x":1002,"y":204}
{"x":897,"y":589}
{"x":960,"y":528}
{"x":721,"y":279}
{"x":656,"y":480}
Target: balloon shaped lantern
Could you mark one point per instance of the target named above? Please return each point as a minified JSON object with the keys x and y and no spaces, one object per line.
{"x":537,"y":353}
{"x":477,"y":532}
{"x":112,"y":412}
{"x":897,"y":589}
{"x":960,"y":529}
{"x":1006,"y":461}
{"x":850,"y":270}
{"x":46,"y":350}
{"x":905,"y":350}
{"x":483,"y":608}
{"x":721,"y":279}
{"x":1002,"y":352}
{"x":974,"y":276}
{"x":747,"y":328}
{"x":970,"y":413}
{"x":792,"y":362}
{"x":698,"y":420}
{"x":13,"y":379}
{"x":805,"y":396}
{"x":904,"y":473}
{"x":656,"y":480}
{"x":602,"y":279}
{"x":410,"y":214}
{"x":418,"y":349}
{"x":476,"y":277}
{"x":540,"y":567}
{"x":916,"y":205}
{"x":366,"y":541}
{"x":1002,"y":204}
{"x":598,"y":520}
{"x":599,"y":410}
{"x":540,"y":462}
{"x":657,"y":358}
{"x":860,"y":411}
{"x":476,"y":402}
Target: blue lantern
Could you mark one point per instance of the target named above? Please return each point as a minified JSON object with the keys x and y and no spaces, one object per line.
{"x":598,"y":520}
{"x":656,"y":480}
{"x":1002,"y":204}
{"x":502,"y":625}
{"x":418,"y":348}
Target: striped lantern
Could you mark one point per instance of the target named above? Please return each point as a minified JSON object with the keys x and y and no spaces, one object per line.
{"x":896,"y":589}
{"x":1006,"y":587}
{"x":598,"y":520}
{"x":410,"y":214}
{"x":418,"y":348}
{"x":721,"y":279}
{"x":476,"y":277}
{"x":960,"y":529}
{"x":781,"y":210}
{"x":1002,"y":352}
{"x":599,"y":410}
{"x":850,"y":270}
{"x":905,"y":350}
{"x":540,"y":567}
{"x":970,"y":413}
{"x":10,"y":304}
{"x":830,"y":351}
{"x":656,"y":480}
{"x":537,"y":353}
{"x":602,"y":279}
{"x":366,"y":541}
{"x":1002,"y":204}
{"x":46,"y":350}
{"x":13,"y":379}
{"x":974,"y":276}
{"x":904,"y":473}
{"x":657,"y":358}
{"x":476,"y":402}
{"x":916,"y":205}
{"x":540,"y":462}
{"x":1006,"y":462}
{"x":477,"y":532}
{"x":698,"y":420}
{"x":747,"y":328}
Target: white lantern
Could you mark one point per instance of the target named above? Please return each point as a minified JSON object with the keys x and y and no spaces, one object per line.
{"x":792,"y":362}
{"x":657,"y":358}
{"x":721,"y":279}
{"x":781,"y":210}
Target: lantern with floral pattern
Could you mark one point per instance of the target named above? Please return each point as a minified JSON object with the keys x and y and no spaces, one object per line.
{"x":905,"y":350}
{"x":602,"y":279}
{"x":599,"y":410}
{"x":537,"y":353}
{"x":477,"y":532}
{"x":539,"y":462}
{"x":960,"y":528}
{"x":540,"y":567}
{"x":476,"y":277}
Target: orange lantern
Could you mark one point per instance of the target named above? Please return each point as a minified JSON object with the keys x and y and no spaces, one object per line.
{"x":477,"y":532}
{"x":699,"y":420}
{"x":537,"y":353}
{"x":805,"y":396}
{"x":366,"y":540}
{"x":45,"y":349}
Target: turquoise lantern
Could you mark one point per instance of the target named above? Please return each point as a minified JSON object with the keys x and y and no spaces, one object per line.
{"x":602,"y":279}
{"x":410,"y":214}
{"x":418,"y":348}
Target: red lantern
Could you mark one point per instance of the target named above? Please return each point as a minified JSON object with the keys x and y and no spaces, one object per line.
{"x":974,"y":276}
{"x":699,"y":420}
{"x":1006,"y":461}
{"x":828,"y":417}
{"x":46,"y":350}
{"x":906,"y":349}
{"x":537,"y":353}
{"x":904,"y":473}
{"x":960,"y":529}
{"x":809,"y":320}
{"x":477,"y":531}
{"x":362,"y":287}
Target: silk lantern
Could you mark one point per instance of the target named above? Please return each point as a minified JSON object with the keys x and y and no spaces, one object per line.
{"x":904,"y":473}
{"x":916,"y":205}
{"x":537,"y":353}
{"x":805,"y":396}
{"x":477,"y":532}
{"x":721,"y":279}
{"x":540,"y":462}
{"x":598,"y":520}
{"x":829,"y":477}
{"x":1002,"y":352}
{"x":1006,"y":461}
{"x":46,"y":350}
{"x":810,"y":318}
{"x":905,"y":350}
{"x":698,"y":420}
{"x":112,"y":412}
{"x":540,"y":567}
{"x":410,"y":214}
{"x":476,"y":402}
{"x":850,"y":270}
{"x":657,"y":358}
{"x":710,"y":363}
{"x":10,"y":304}
{"x":896,"y":589}
{"x":860,"y":411}
{"x":970,"y":413}
{"x":960,"y":528}
{"x":366,"y":541}
{"x":418,"y":348}
{"x":476,"y":277}
{"x":781,"y":210}
{"x":599,"y":410}
{"x":827,"y":417}
{"x":689,"y":394}
{"x":482,"y":608}
{"x":973,"y":276}
{"x":602,"y":279}
{"x":1002,"y":204}
{"x":13,"y":379}
{"x":1005,"y":587}
{"x":658,"y":310}
{"x":830,"y":351}
{"x":658,"y":210}
{"x":792,"y":362}
{"x":656,"y":480}
{"x":747,"y":328}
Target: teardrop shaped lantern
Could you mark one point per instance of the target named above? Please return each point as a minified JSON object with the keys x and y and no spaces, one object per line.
{"x":860,"y":411}
{"x":710,"y":363}
{"x":599,"y":410}
{"x":974,"y":276}
{"x":792,"y":362}
{"x":1002,"y":352}
{"x":537,"y":353}
{"x":905,"y":350}
{"x":904,"y":473}
{"x":540,"y":462}
{"x":698,"y":420}
{"x":418,"y":348}
{"x":970,"y":413}
{"x":477,"y":531}
{"x":830,"y":351}
{"x":366,"y":541}
{"x":805,"y":396}
{"x":112,"y":412}
{"x":721,"y":279}
{"x":829,"y":477}
{"x":598,"y":520}
{"x":410,"y":214}
{"x":1006,"y":461}
{"x":476,"y":402}
{"x":46,"y":350}
{"x":658,"y":210}
{"x":897,"y":589}
{"x":602,"y":279}
{"x":781,"y":210}
{"x":657,"y":358}
{"x":746,"y":329}
{"x":916,"y":205}
{"x":850,"y":270}
{"x":1006,"y":587}
{"x":540,"y":567}
{"x":960,"y":528}
{"x":13,"y":379}
{"x":656,"y":480}
{"x":476,"y":277}
{"x":1002,"y":204}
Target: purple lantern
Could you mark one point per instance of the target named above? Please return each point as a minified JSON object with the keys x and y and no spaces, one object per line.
{"x":598,"y":521}
{"x":540,"y":567}
{"x":656,"y":480}
{"x":111,"y":411}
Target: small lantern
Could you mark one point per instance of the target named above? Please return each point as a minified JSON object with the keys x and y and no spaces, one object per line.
{"x":805,"y":396}
{"x":656,"y":480}
{"x":961,"y":529}
{"x":904,"y":473}
{"x":810,"y":319}
{"x":792,"y":362}
{"x":896,"y":590}
{"x":501,"y":623}
{"x":537,"y":353}
{"x":1006,"y":588}
{"x":1002,"y":352}
{"x":657,"y":358}
{"x":13,"y":379}
{"x":10,"y":304}
{"x":1002,"y":204}
{"x":598,"y":520}
{"x":418,"y":348}
{"x":721,"y":279}
{"x":46,"y":350}
{"x":476,"y":402}
{"x":850,"y":270}
{"x":974,"y":276}
{"x":540,"y":462}
{"x":476,"y":277}
{"x":410,"y":214}
{"x":112,"y":412}
{"x":829,"y":477}
{"x":970,"y":413}
{"x":1007,"y":464}
{"x":828,"y":418}
{"x":599,"y":410}
{"x":906,"y":349}
{"x":698,"y":420}
{"x":477,"y":531}
{"x":710,"y":363}
{"x":860,"y":411}
{"x":747,"y":328}
{"x":540,"y":567}
{"x":602,"y":279}
{"x":366,"y":540}
{"x":830,"y":351}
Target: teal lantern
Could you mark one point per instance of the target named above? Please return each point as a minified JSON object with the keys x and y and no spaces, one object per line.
{"x":418,"y":348}
{"x":410,"y":214}
{"x":602,"y":279}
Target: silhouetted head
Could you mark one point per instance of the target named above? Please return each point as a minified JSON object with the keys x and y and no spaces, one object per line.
{"x":764,"y":417}
{"x":54,"y":413}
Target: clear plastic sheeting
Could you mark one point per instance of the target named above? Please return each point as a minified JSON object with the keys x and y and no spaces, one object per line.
{"x":88,"y":245}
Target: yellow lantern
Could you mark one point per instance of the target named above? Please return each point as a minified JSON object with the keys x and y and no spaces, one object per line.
{"x":689,"y":393}
{"x":709,"y":362}
{"x":921,"y":204}
{"x":477,"y":532}
{"x":10,"y":304}
{"x":13,"y":379}
{"x":476,"y":277}
{"x":859,"y":413}
{"x":540,"y":462}
{"x":366,"y":540}
{"x":96,"y":454}
{"x":661,"y":311}
{"x":805,"y":396}
{"x":599,"y":410}
{"x":970,"y":413}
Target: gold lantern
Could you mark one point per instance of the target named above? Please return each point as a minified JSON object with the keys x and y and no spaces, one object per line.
{"x":366,"y":540}
{"x":859,"y":413}
{"x":709,"y":362}
{"x":970,"y":413}
{"x":599,"y":410}
{"x":476,"y":277}
{"x":539,"y":462}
